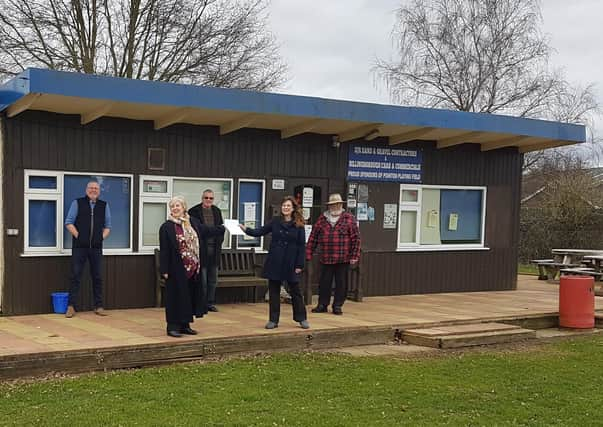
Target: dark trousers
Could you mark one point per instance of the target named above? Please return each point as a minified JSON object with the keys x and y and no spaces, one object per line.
{"x":209,"y":276}
{"x":79,"y":256}
{"x":274,"y":295}
{"x":340,"y":273}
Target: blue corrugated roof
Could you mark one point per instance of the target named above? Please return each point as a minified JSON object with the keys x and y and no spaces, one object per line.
{"x":180,"y":95}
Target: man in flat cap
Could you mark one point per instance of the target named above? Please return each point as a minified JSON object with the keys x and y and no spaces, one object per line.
{"x":336,"y":234}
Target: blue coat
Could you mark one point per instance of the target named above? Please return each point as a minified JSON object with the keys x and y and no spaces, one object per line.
{"x":286,"y":251}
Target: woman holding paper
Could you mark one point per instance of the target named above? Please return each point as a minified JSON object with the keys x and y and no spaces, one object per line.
{"x":285,"y":260}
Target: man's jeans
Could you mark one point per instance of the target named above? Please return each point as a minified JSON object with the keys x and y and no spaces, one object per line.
{"x":79,"y":256}
{"x":209,"y":275}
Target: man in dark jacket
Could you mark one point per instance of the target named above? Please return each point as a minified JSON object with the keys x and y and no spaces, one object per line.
{"x":210,"y":247}
{"x":89,"y":222}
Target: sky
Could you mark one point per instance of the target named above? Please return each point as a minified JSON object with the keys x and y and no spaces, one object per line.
{"x":331,"y":45}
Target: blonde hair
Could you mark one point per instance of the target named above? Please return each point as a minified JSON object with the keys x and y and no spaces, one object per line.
{"x":180,"y":200}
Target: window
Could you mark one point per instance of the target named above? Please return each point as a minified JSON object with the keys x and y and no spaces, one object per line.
{"x":156,"y":192}
{"x":441,"y":217}
{"x":251,"y":211}
{"x":48,"y":196}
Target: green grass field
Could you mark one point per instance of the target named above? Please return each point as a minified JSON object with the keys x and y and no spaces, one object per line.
{"x":553,"y":384}
{"x":527,"y":269}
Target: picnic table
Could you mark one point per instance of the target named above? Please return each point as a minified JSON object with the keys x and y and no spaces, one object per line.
{"x":567,"y":261}
{"x":596,"y":261}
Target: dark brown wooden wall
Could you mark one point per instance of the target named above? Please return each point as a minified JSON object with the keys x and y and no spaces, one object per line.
{"x":36,"y":140}
{"x":387,"y":272}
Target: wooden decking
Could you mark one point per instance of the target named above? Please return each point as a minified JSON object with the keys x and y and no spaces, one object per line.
{"x":41,"y":343}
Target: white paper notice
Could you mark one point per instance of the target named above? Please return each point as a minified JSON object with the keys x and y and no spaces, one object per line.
{"x":249,"y":214}
{"x":232,"y":225}
{"x":308,"y":229}
{"x":307,"y":197}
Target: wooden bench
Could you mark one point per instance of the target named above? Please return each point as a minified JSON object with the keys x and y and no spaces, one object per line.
{"x":236,"y":270}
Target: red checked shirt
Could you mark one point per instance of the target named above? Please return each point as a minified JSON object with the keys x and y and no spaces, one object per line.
{"x":339,"y":243}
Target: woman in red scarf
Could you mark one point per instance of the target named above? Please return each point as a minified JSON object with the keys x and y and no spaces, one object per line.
{"x":180,"y":265}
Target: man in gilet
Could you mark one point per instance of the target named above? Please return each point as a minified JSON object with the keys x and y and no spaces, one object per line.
{"x":89,"y":222}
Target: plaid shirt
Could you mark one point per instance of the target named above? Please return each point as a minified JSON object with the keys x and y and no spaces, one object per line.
{"x":338,"y":244}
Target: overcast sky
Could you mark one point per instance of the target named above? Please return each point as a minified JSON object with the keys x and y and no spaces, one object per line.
{"x":331,"y":45}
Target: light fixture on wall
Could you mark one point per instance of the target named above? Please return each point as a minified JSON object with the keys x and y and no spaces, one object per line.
{"x":336,"y":143}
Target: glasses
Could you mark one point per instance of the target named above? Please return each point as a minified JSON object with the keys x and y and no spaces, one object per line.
{"x":208,"y":198}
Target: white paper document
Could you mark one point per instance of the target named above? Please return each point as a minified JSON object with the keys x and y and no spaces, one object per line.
{"x":232,"y":225}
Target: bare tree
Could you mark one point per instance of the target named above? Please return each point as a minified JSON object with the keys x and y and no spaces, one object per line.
{"x":485,"y":56}
{"x":212,"y":42}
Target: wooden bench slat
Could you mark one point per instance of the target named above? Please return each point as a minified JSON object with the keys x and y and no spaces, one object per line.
{"x":236,"y":270}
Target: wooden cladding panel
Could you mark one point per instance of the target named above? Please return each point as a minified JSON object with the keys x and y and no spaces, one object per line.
{"x":37,"y":140}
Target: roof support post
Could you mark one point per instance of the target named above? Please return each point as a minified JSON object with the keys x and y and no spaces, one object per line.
{"x":169,"y":119}
{"x":501,"y":143}
{"x":236,"y":124}
{"x":459,"y":139}
{"x":91,"y":116}
{"x":359,"y":132}
{"x":299,"y":128}
{"x":22,"y":104}
{"x":409,"y":136}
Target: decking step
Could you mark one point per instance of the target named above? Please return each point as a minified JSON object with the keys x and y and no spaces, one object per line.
{"x":467,"y":335}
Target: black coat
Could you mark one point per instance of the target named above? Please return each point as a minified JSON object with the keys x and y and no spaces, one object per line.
{"x":183,"y":297}
{"x":196,"y":212}
{"x":286,"y":251}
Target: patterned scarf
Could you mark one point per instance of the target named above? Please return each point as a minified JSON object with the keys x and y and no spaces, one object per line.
{"x":188,"y":243}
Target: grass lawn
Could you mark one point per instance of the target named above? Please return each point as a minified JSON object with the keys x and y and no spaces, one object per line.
{"x":527,"y":269}
{"x":553,"y":384}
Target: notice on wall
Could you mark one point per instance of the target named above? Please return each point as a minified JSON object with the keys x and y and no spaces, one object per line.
{"x":351,"y":203}
{"x":453,"y":221}
{"x":308,"y":230}
{"x":362,"y":212}
{"x":371,"y":213}
{"x":249,"y":211}
{"x":307,"y":197}
{"x":306,"y":213}
{"x":433,"y":219}
{"x":384,"y":164}
{"x":390,"y":215}
{"x":363,"y":193}
{"x":278,"y":184}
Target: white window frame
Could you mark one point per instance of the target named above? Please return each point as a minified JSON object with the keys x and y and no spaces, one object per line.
{"x":262,"y":213}
{"x":407,"y":206}
{"x":58,"y":223}
{"x":416,"y":206}
{"x":142,"y":201}
{"x":161,"y":197}
{"x":58,"y":195}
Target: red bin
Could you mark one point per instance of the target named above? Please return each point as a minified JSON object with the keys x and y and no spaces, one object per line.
{"x":577,"y":302}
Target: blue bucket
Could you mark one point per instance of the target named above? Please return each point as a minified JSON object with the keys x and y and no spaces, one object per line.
{"x":59,"y":302}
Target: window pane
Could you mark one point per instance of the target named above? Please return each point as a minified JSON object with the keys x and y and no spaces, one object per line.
{"x":43,"y":182}
{"x":410,"y":195}
{"x":115,"y":191}
{"x":42,"y":223}
{"x":152,"y":186}
{"x":408,"y":227}
{"x":192,"y":190}
{"x":153,"y":215}
{"x":461,"y":216}
{"x":430,"y":216}
{"x":250,"y":211}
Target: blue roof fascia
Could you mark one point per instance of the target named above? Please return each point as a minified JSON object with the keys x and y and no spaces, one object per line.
{"x":14,"y":89}
{"x":180,"y":95}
